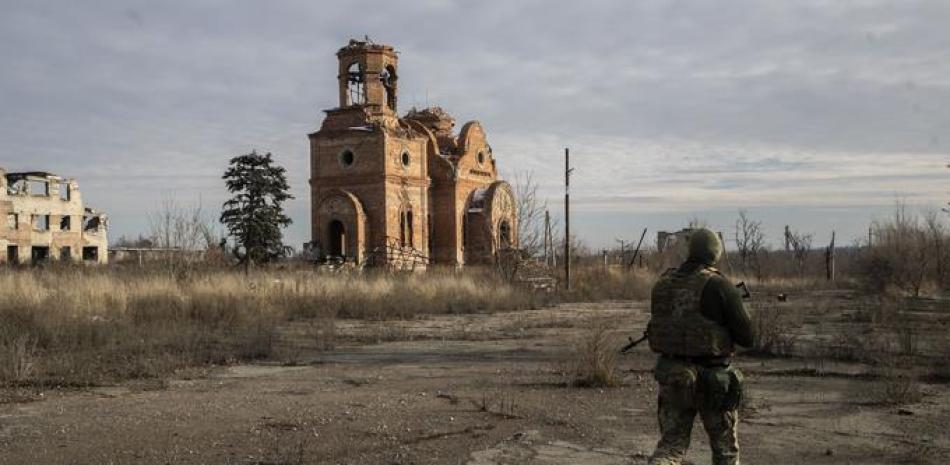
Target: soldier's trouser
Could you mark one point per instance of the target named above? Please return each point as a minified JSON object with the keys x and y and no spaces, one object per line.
{"x":686,"y":389}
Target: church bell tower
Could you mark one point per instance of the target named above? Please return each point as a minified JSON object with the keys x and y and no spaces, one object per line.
{"x":367,"y":77}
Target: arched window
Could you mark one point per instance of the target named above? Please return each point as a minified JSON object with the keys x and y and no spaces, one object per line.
{"x":504,"y":234}
{"x":405,"y":228}
{"x":356,"y":84}
{"x":388,"y":77}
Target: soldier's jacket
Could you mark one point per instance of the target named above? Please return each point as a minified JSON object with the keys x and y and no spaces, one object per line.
{"x":721,"y":303}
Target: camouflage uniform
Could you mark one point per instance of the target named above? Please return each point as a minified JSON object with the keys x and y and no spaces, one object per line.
{"x":696,"y":318}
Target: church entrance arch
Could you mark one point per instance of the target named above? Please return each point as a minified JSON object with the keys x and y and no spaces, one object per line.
{"x":340,"y":225}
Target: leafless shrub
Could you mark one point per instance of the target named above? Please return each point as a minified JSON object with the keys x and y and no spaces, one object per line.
{"x":502,"y":404}
{"x":908,"y":338}
{"x":772,"y":328}
{"x":897,"y":385}
{"x":17,"y":358}
{"x":800,"y":244}
{"x":322,"y":331}
{"x":939,"y":241}
{"x":906,"y":254}
{"x":866,"y":346}
{"x":594,"y":359}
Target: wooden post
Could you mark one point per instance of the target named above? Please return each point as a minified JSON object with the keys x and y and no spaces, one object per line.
{"x":788,"y":235}
{"x":637,"y":250}
{"x":830,"y":259}
{"x":869,"y":236}
{"x":606,"y":265}
{"x":567,"y":218}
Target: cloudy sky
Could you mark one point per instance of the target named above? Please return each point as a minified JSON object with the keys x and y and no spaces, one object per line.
{"x":816,"y":114}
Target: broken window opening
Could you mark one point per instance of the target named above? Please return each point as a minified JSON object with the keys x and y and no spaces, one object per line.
{"x":39,"y":254}
{"x":65,"y":192}
{"x":16,"y":188}
{"x":13,"y":221}
{"x":65,"y":223}
{"x":337,"y":244}
{"x":65,"y":253}
{"x":90,"y":254}
{"x":356,"y":84}
{"x":13,"y":255}
{"x":388,"y":78}
{"x":91,"y":223}
{"x":41,"y":222}
{"x":38,"y":188}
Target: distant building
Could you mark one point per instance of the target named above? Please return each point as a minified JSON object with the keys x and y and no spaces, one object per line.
{"x":46,"y":220}
{"x":387,"y":188}
{"x":673,"y":240}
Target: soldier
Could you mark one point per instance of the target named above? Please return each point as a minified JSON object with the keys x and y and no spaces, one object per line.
{"x":696,"y":319}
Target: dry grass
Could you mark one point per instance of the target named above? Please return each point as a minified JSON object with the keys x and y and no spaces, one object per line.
{"x":591,"y":284}
{"x":773,"y":327}
{"x":898,"y":385}
{"x":594,"y":359}
{"x":80,"y":326}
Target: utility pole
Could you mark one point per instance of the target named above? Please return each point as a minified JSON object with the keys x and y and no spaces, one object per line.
{"x":623,"y":251}
{"x":567,"y":218}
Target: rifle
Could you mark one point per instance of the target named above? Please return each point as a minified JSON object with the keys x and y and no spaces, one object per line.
{"x":746,"y":294}
{"x":633,"y":343}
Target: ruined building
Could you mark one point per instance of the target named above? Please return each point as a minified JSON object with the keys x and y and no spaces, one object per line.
{"x":46,"y":220}
{"x":387,"y":188}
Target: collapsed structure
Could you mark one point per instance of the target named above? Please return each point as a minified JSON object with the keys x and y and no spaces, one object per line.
{"x":387,"y":189}
{"x":46,"y":220}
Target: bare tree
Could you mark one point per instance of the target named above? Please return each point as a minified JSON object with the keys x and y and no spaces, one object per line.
{"x":176,"y":226}
{"x":530,"y":214}
{"x":800,"y":245}
{"x":750,"y":240}
{"x":937,"y":232}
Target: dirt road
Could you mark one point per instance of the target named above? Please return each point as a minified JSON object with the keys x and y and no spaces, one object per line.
{"x":465,"y":389}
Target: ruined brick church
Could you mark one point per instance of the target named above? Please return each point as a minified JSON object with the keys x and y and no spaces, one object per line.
{"x":386,"y":189}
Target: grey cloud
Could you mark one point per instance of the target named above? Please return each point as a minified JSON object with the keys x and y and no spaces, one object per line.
{"x":166,"y":92}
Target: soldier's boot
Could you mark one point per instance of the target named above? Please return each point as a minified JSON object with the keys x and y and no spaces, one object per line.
{"x":720,"y":425}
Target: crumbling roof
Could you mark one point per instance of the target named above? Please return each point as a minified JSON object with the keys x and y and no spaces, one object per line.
{"x":12,"y":177}
{"x":365,"y":44}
